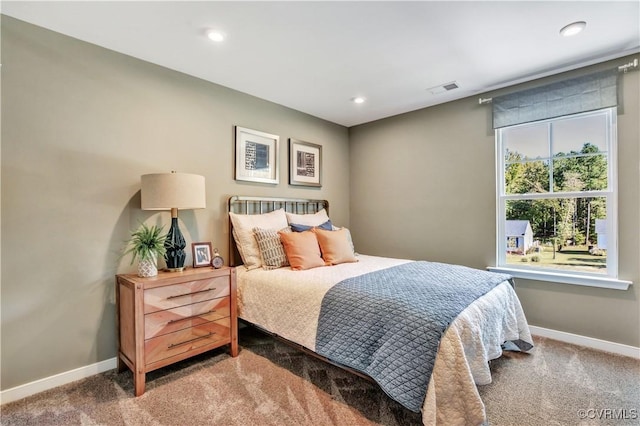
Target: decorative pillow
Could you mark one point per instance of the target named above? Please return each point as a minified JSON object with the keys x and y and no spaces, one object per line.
{"x":313,"y":219}
{"x":243,"y":233}
{"x":335,"y":246}
{"x":271,"y":248}
{"x":353,"y":247}
{"x":295,"y":227}
{"x":302,"y":249}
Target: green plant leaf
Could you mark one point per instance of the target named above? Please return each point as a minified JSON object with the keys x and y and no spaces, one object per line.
{"x":146,"y":243}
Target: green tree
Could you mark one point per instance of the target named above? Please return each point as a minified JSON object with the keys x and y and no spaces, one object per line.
{"x":566,"y":218}
{"x":584,"y":170}
{"x":525,"y":176}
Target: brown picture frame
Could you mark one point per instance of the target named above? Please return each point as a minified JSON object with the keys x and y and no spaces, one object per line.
{"x":201,"y":254}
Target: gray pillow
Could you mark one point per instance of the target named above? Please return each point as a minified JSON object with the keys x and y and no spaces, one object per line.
{"x":271,"y":248}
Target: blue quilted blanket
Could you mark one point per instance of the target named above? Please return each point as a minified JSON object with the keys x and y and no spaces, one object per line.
{"x":388,"y":324}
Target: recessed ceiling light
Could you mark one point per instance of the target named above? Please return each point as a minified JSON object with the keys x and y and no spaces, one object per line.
{"x":573,"y":28}
{"x":358,"y":100}
{"x":215,"y":35}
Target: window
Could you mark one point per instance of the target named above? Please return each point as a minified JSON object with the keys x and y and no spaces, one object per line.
{"x":557,"y":199}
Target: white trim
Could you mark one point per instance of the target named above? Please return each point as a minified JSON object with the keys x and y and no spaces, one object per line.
{"x":564,"y":278}
{"x":51,"y":382}
{"x":590,"y":342}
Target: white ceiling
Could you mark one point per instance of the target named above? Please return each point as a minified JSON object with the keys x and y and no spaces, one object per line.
{"x":316,"y":56}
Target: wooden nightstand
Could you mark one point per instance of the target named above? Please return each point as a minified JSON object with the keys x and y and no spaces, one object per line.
{"x":173,"y":316}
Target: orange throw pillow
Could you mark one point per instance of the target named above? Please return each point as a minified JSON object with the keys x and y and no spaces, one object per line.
{"x":335,"y":246}
{"x":302,"y":249}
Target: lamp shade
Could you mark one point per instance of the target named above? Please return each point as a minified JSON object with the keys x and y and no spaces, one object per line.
{"x":166,"y":191}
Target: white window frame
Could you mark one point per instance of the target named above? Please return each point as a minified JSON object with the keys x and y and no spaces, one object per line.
{"x":610,"y":280}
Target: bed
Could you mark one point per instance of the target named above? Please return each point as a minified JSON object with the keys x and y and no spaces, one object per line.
{"x":367,"y":314}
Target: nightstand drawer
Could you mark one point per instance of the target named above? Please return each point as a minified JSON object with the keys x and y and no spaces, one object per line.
{"x":168,"y":345}
{"x":170,"y":320}
{"x":173,"y":296}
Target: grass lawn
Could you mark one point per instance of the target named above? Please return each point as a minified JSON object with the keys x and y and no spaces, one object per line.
{"x":576,"y":258}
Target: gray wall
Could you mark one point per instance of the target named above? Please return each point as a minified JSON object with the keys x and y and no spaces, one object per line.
{"x":423,"y":186}
{"x":80,"y":124}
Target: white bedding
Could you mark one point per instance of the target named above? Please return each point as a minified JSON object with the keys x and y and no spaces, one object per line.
{"x":287,"y":303}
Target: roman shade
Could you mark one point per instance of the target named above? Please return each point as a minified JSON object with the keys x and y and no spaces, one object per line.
{"x":585,"y":93}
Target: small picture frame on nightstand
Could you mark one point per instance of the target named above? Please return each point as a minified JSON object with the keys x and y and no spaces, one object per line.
{"x":201,"y":254}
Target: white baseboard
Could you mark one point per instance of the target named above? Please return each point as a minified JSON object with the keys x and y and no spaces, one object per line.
{"x":47,"y":383}
{"x":590,"y":342}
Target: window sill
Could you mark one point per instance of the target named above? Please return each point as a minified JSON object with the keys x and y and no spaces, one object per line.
{"x":589,"y":281}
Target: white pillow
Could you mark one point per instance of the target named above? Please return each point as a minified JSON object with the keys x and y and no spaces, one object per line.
{"x":243,"y":225}
{"x":313,"y":219}
{"x":335,"y":228}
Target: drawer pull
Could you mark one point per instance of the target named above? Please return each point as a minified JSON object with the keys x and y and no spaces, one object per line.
{"x":189,"y":294}
{"x":192,"y":316}
{"x":173,"y":345}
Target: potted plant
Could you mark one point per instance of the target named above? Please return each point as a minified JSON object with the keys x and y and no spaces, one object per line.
{"x":146,"y":244}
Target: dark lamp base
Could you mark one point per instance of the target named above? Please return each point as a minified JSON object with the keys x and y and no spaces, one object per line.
{"x":174,"y":246}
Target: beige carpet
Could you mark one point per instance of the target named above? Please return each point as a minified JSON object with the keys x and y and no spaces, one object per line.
{"x":273,"y":384}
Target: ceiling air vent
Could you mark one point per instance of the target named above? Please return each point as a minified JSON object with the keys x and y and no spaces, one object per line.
{"x":443,"y":88}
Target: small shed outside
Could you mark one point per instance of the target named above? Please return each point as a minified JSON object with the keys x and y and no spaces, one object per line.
{"x":519,"y":236}
{"x":601,"y":230}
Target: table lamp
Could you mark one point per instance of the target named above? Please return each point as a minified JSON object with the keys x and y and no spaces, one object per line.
{"x":173,"y":191}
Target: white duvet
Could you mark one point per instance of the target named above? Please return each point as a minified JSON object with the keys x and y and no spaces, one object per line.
{"x":287,"y":303}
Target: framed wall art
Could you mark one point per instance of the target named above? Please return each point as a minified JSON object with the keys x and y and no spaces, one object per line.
{"x":201,"y":254}
{"x":256,"y":156}
{"x":305,"y":163}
